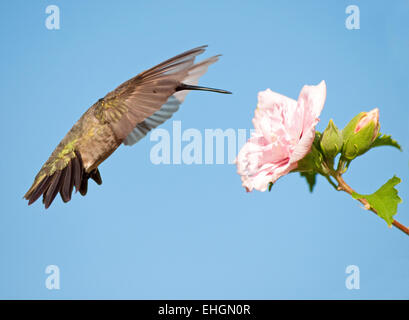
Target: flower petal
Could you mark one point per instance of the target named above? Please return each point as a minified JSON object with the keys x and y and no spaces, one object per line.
{"x":268,"y":99}
{"x":312,"y":98}
{"x":304,"y":145}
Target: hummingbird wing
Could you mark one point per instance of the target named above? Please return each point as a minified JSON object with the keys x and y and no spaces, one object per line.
{"x":172,"y":104}
{"x":142,"y":96}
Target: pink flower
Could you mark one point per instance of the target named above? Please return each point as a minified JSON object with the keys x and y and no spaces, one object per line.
{"x":284,"y":133}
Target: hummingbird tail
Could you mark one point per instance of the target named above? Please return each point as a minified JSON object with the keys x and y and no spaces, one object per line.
{"x":184,"y":86}
{"x":62,"y":181}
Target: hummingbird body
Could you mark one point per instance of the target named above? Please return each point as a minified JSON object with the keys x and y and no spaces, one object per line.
{"x":124,"y":115}
{"x":96,"y":140}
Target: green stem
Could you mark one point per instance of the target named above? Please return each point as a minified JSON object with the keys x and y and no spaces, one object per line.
{"x":341,"y":165}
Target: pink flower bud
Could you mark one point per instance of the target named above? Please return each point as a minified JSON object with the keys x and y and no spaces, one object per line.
{"x":360,"y":133}
{"x":373,"y":116}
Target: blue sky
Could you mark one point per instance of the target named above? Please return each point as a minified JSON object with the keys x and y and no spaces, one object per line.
{"x":191,"y":231}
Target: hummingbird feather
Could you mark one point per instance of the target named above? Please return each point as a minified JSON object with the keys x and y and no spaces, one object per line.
{"x":53,"y":189}
{"x":68,"y":184}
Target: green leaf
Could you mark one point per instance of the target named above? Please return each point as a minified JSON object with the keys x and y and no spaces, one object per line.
{"x":311,"y":178}
{"x":270,"y":185}
{"x":385,"y":201}
{"x":386,"y":140}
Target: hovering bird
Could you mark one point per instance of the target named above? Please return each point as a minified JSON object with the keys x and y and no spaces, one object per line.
{"x":124,"y":115}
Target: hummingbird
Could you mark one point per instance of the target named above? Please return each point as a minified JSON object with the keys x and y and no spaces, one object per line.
{"x":124,"y":116}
